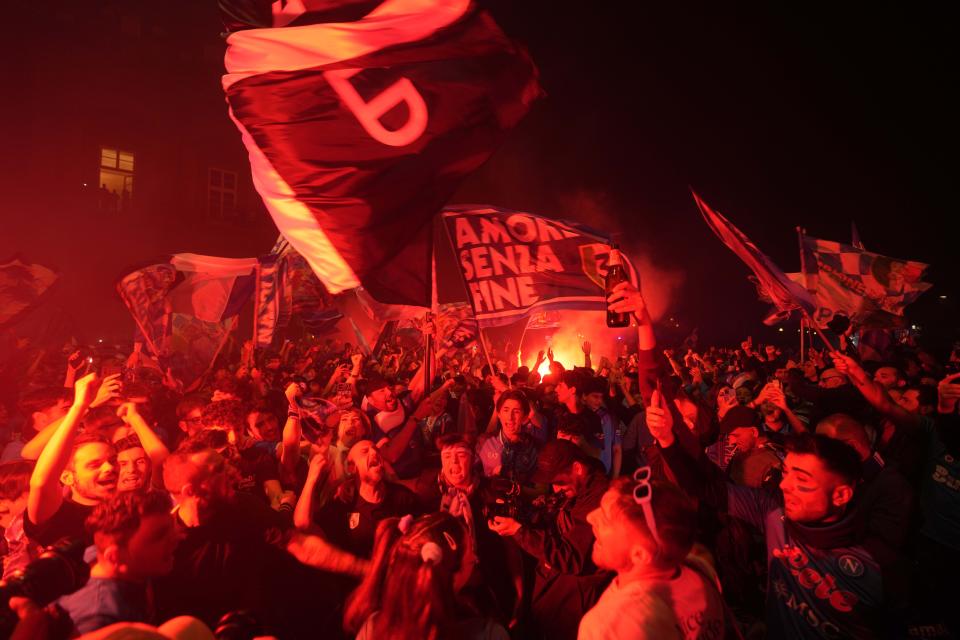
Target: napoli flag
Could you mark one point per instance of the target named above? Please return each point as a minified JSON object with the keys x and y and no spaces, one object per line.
{"x":362,"y":118}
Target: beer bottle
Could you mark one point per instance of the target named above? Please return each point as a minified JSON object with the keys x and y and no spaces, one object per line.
{"x":615,"y":275}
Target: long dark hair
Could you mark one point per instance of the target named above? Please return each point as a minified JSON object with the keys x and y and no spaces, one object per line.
{"x":410,"y":583}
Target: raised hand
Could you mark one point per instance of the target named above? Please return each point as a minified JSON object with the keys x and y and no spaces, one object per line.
{"x":626,"y":298}
{"x":503,"y":526}
{"x":292,"y":392}
{"x":948,"y":393}
{"x":110,"y":389}
{"x":318,"y":465}
{"x":586,"y":347}
{"x":660,"y":420}
{"x":127,"y":411}
{"x":849,"y":367}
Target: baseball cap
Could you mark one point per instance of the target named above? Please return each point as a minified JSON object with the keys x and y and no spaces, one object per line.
{"x":742,"y":379}
{"x":375,"y":382}
{"x":738,"y":417}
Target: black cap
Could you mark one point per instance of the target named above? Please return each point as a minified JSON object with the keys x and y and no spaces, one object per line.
{"x":839,"y":323}
{"x":374,"y":382}
{"x":737,"y":417}
{"x":556,"y":457}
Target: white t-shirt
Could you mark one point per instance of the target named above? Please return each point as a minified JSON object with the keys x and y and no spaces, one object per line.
{"x":687,"y":607}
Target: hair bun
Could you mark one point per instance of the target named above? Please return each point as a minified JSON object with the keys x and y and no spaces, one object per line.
{"x":431,"y":553}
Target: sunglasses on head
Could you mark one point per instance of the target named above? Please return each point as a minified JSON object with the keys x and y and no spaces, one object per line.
{"x":643,"y":496}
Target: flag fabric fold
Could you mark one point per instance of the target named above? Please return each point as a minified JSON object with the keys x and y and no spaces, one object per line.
{"x":358,"y":131}
{"x":22,"y":286}
{"x":772,"y":283}
{"x":286,"y":288}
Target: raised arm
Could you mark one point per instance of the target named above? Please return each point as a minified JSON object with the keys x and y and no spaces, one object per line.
{"x":108,"y":390}
{"x":317,"y":475}
{"x":292,"y":432}
{"x":395,"y":446}
{"x":875,"y":394}
{"x":626,"y":298}
{"x":156,"y":450}
{"x":586,"y":354}
{"x":45,"y":495}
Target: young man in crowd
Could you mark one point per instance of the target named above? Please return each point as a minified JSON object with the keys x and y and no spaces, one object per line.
{"x":15,"y":549}
{"x":258,"y":467}
{"x":393,"y":431}
{"x":645,"y":531}
{"x":41,"y":407}
{"x":86,"y":465}
{"x":511,"y":452}
{"x":233,"y":555}
{"x":467,"y":494}
{"x":135,"y":540}
{"x":608,"y":439}
{"x":138,"y":452}
{"x":566,"y":581}
{"x":822,"y":581}
{"x":350,"y":519}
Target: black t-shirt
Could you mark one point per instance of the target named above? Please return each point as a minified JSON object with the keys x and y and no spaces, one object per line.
{"x":351,"y":526}
{"x":256,"y":465}
{"x":67,"y":522}
{"x":235,"y":561}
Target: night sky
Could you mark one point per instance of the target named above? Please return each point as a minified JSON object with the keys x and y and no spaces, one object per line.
{"x":776,"y":115}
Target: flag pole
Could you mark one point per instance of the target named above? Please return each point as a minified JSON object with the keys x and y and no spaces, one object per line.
{"x":432,"y":316}
{"x":803,"y":331}
{"x":806,"y":283}
{"x":523,"y":335}
{"x":256,"y":301}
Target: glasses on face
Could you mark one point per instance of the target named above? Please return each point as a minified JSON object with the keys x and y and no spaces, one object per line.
{"x":643,"y":496}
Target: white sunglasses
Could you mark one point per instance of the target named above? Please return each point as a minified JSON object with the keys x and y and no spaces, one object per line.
{"x":643,"y":495}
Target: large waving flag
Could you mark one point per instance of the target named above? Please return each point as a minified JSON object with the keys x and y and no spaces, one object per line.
{"x":515,"y":263}
{"x":186,"y":307}
{"x":361,"y":118}
{"x":22,"y":286}
{"x":867,"y":287}
{"x":772,"y":283}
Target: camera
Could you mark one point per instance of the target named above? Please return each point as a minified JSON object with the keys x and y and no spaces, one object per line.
{"x":58,"y":571}
{"x":238,"y":625}
{"x":503,"y":498}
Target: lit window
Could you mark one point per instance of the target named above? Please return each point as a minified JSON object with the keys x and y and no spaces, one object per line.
{"x":116,"y":180}
{"x":126,"y":161}
{"x":108,"y":158}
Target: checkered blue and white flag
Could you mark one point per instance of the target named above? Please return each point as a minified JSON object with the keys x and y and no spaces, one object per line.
{"x":862,"y":285}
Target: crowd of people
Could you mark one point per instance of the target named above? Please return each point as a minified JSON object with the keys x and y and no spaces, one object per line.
{"x":697,"y":493}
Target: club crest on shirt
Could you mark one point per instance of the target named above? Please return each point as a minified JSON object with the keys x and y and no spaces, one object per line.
{"x":851,"y":565}
{"x":354,"y":519}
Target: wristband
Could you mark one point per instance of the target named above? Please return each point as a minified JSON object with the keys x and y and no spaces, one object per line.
{"x":293,"y":414}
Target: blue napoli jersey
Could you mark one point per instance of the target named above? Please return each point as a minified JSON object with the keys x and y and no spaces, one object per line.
{"x":811,"y":592}
{"x":940,"y":497}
